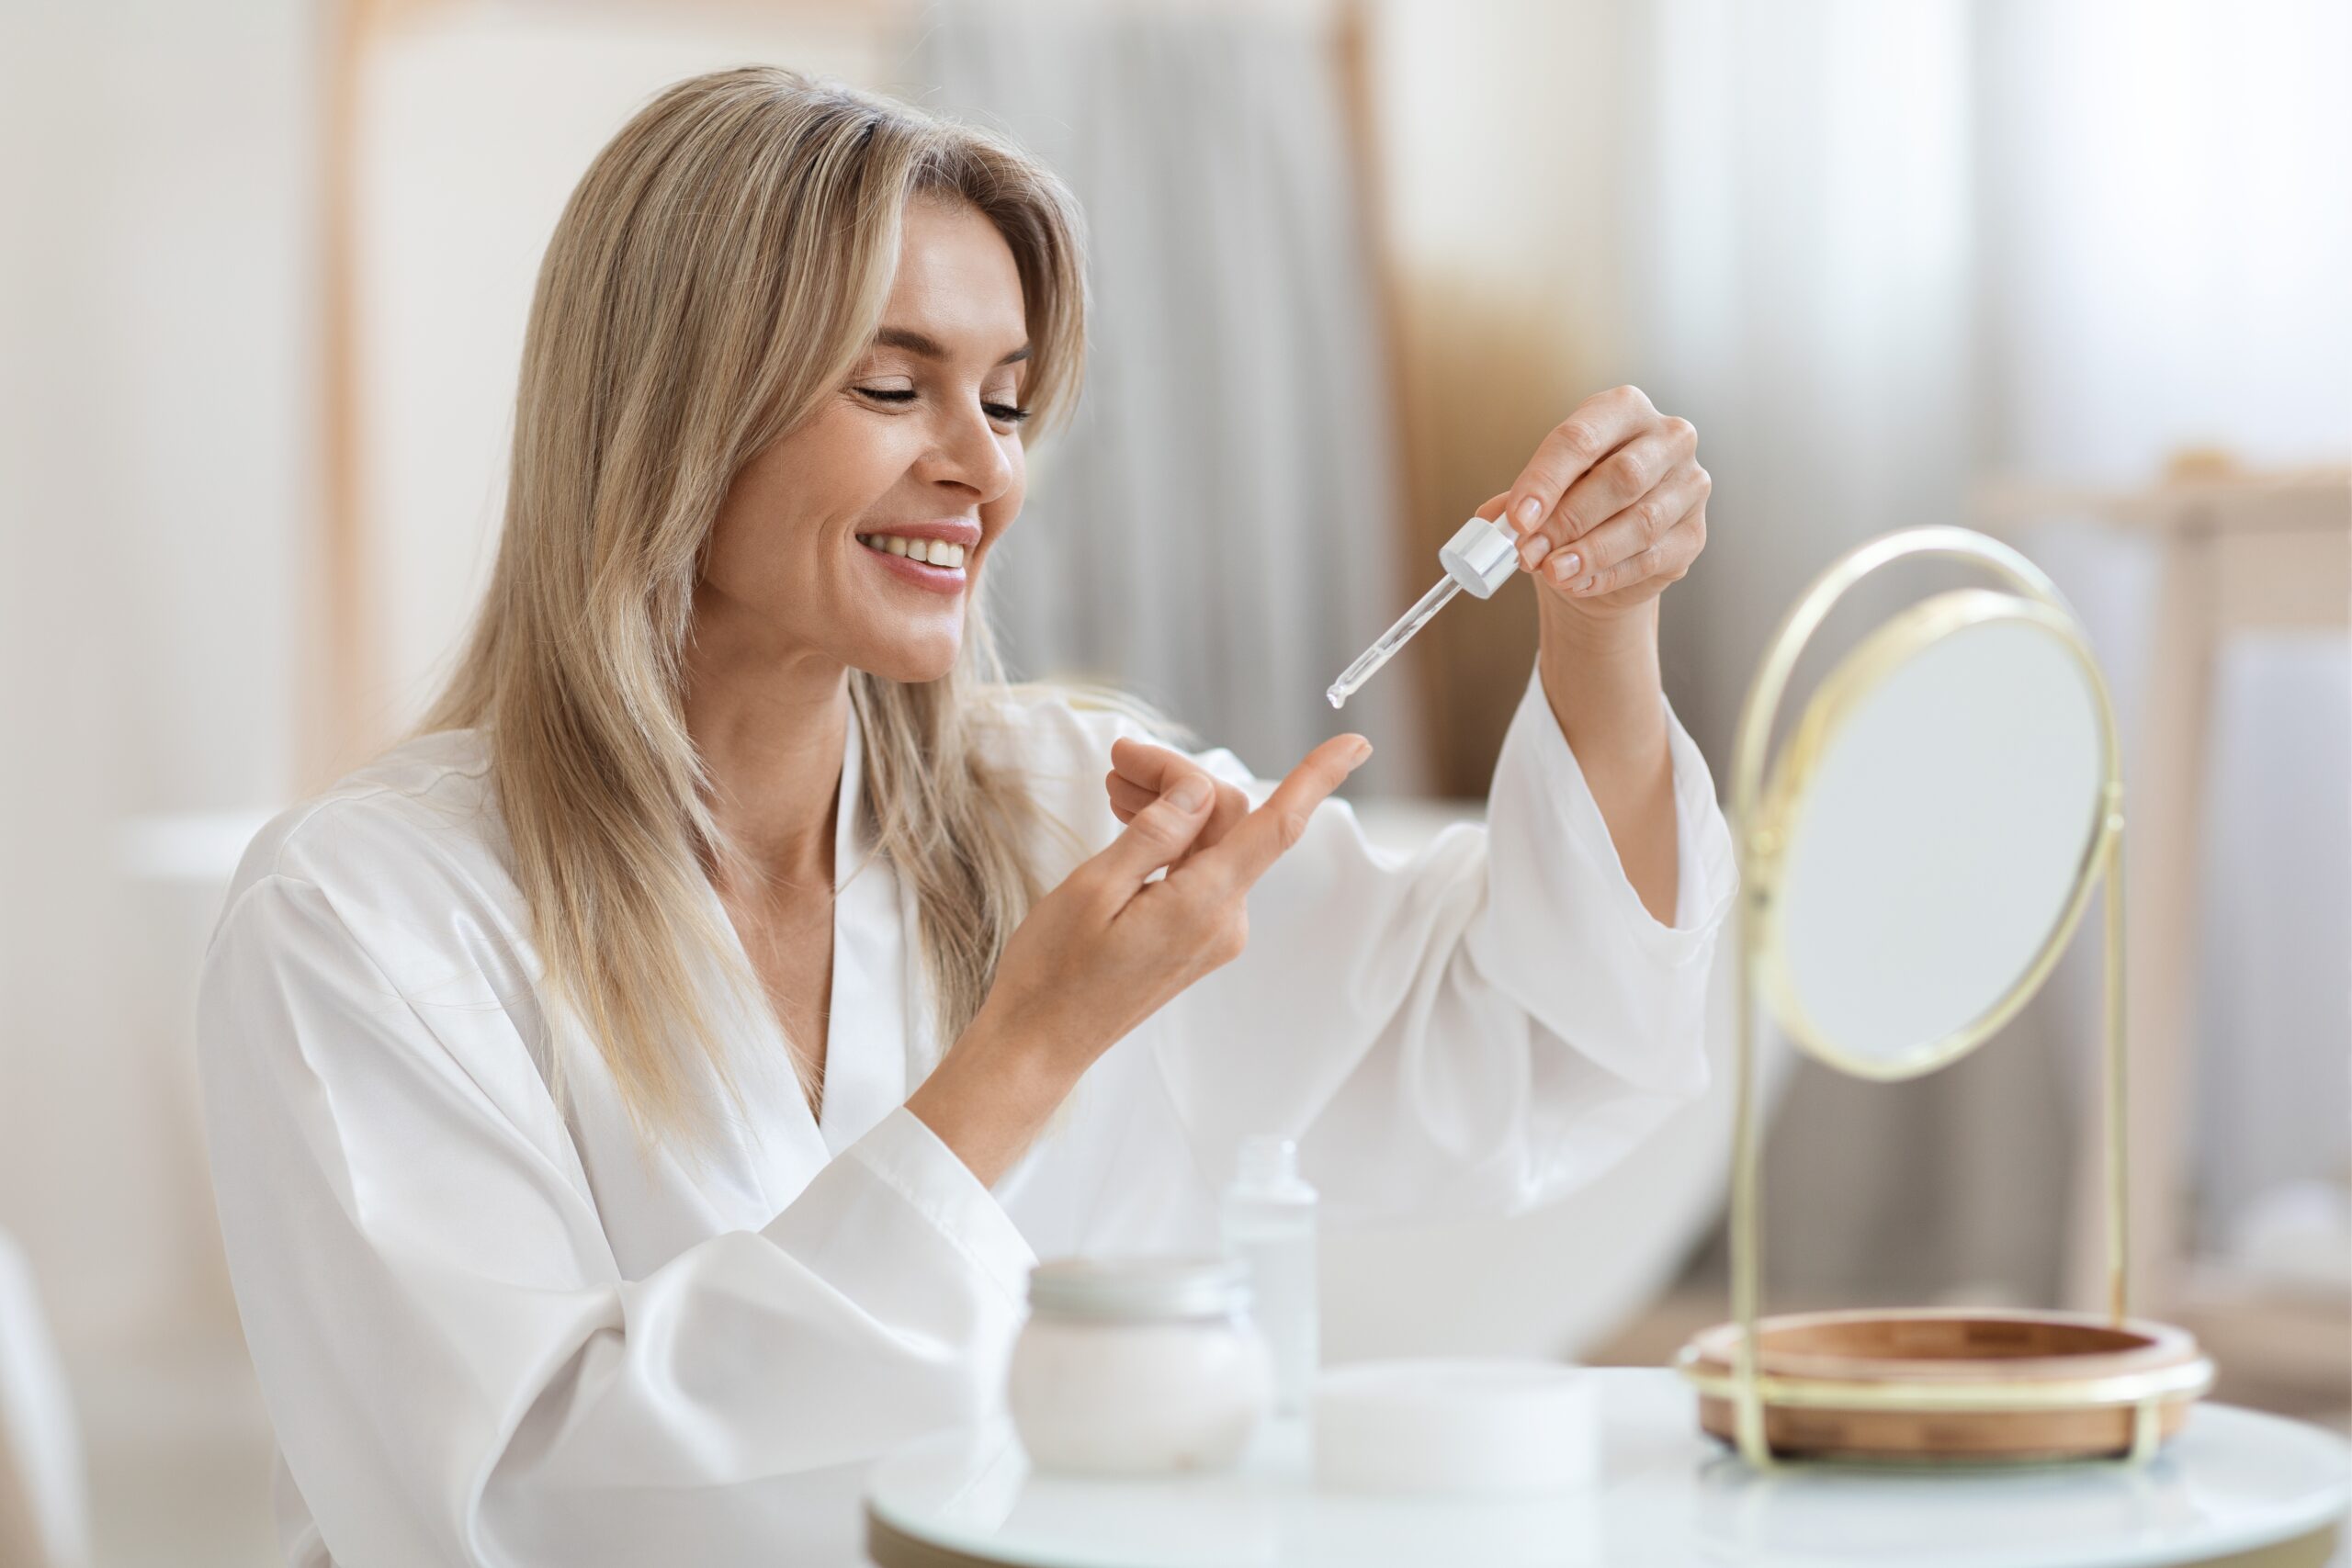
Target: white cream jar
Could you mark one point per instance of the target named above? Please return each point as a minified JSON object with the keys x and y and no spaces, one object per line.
{"x":1138,"y":1366}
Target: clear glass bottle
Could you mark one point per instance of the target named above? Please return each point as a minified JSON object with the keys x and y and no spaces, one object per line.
{"x":1268,"y":1218}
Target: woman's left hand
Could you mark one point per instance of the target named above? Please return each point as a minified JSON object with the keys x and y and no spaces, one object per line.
{"x":1611,"y":508}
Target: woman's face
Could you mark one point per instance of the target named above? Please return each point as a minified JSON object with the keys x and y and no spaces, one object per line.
{"x":921,"y":444}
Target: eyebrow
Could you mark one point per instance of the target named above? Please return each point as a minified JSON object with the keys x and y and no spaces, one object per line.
{"x":929,"y":347}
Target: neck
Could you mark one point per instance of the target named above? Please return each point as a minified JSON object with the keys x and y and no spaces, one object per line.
{"x":772,"y":733}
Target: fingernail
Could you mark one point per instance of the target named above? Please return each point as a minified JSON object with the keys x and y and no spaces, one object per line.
{"x":1357,"y":761}
{"x":1532,"y":549}
{"x":1189,"y":794}
{"x":1565,"y":566}
{"x":1529,"y":511}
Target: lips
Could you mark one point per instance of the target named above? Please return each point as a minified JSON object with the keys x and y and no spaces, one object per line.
{"x":947,"y":581}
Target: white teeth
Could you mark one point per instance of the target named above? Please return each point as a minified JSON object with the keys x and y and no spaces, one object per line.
{"x":934,"y":552}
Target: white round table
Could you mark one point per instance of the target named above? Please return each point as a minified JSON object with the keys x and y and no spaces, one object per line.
{"x":2235,"y":1487}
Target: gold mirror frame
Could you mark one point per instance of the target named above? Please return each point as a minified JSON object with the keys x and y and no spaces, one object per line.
{"x":1758,"y":819}
{"x":1882,"y":653}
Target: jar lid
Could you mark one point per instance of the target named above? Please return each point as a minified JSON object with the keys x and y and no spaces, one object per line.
{"x":1129,"y":1290}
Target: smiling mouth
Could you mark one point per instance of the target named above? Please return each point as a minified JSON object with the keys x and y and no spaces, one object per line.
{"x":930,"y":552}
{"x":931,"y":575}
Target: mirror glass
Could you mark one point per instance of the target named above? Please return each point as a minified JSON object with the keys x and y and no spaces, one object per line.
{"x":1938,"y":804}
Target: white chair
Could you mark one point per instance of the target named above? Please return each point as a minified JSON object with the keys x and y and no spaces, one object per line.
{"x":44,"y":1511}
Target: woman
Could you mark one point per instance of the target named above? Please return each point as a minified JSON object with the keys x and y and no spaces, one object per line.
{"x":637,"y":1099}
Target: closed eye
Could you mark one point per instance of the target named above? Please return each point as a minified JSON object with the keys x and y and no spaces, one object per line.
{"x":1005,"y":412}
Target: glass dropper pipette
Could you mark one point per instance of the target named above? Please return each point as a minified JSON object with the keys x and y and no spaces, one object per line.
{"x":1480,"y":556}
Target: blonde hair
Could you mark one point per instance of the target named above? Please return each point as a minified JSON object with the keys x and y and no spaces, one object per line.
{"x":722,"y":265}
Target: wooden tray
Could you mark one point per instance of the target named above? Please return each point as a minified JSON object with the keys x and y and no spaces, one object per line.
{"x":1973,"y":1352}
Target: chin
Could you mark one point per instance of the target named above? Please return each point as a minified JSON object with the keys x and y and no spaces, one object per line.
{"x":915,"y":660}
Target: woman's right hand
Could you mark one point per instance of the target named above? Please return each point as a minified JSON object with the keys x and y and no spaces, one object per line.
{"x":1110,"y":947}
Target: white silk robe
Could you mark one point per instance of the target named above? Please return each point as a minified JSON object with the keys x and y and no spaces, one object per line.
{"x":488,"y":1331}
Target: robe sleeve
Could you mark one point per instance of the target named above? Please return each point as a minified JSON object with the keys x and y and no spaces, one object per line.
{"x":455,"y":1366}
{"x":1477,"y":1027}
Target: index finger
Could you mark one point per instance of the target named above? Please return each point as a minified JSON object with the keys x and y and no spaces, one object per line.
{"x":1601,"y":424}
{"x":1258,"y":841}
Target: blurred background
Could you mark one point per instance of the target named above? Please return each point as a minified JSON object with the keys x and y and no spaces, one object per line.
{"x":2071,"y":272}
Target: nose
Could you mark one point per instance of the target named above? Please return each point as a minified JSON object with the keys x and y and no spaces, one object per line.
{"x":968,"y":452}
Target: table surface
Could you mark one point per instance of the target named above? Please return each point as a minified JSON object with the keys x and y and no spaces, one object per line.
{"x":2234,"y":1481}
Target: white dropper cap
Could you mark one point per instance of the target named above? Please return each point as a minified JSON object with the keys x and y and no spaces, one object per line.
{"x":1481,"y":556}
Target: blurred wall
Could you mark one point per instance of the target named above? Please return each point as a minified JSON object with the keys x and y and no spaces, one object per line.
{"x":156,"y":458}
{"x":475,"y":121}
{"x":1886,"y":251}
{"x":1502,"y":137}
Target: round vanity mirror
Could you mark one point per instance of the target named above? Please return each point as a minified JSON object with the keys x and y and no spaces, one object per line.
{"x":1930,"y":832}
{"x":1913,"y":860}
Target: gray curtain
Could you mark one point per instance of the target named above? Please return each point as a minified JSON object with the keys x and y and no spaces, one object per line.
{"x":1217,"y":529}
{"x":1880,"y":251}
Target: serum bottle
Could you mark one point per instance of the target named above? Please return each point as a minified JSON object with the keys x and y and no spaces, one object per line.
{"x":1267,"y":1219}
